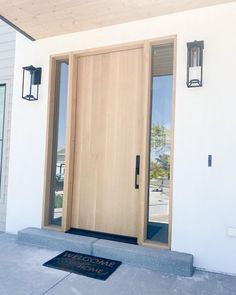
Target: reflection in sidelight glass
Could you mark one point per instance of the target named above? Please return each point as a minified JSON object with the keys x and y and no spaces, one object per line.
{"x":160,"y":143}
{"x":59,"y":143}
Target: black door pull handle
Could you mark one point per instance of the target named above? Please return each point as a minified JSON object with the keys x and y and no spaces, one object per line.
{"x":137,"y":172}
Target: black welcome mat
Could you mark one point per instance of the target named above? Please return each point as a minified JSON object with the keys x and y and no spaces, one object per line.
{"x":86,"y":265}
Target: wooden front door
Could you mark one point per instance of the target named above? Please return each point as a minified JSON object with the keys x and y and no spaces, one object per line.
{"x":109,"y":134}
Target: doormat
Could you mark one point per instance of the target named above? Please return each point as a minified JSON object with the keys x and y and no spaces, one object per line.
{"x":86,"y":265}
{"x":103,"y":236}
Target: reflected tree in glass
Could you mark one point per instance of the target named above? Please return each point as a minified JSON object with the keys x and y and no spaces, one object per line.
{"x":160,"y":148}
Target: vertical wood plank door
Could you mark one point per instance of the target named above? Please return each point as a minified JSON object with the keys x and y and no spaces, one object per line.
{"x":109,"y":134}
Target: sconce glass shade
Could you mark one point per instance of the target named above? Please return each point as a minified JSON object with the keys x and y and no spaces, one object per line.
{"x":30,"y":82}
{"x":195,"y":63}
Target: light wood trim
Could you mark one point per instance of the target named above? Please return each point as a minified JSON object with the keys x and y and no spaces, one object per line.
{"x":61,"y":56}
{"x":153,"y":244}
{"x":145,"y":156}
{"x":147,"y":100}
{"x":53,"y":227}
{"x":109,"y":48}
{"x":172,"y":144}
{"x":99,"y":50}
{"x":70,"y":143}
{"x":49,"y":142}
{"x":161,"y":40}
{"x":112,"y":48}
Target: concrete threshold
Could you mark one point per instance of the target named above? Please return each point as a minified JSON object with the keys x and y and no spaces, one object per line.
{"x":155,"y":259}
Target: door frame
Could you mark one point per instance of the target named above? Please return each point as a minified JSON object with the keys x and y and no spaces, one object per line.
{"x":72,"y":57}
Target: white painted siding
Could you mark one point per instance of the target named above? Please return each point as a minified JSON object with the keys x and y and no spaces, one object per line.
{"x":7,"y":59}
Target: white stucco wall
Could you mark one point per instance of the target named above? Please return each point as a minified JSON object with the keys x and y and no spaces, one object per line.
{"x":204,"y":200}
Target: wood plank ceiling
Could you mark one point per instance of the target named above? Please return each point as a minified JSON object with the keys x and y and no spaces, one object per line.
{"x":46,"y":18}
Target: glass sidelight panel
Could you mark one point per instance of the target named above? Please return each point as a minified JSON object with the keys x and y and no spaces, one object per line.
{"x":160,"y":143}
{"x":59,"y":143}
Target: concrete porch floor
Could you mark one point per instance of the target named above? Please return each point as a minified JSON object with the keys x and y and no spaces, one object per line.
{"x":22,"y":273}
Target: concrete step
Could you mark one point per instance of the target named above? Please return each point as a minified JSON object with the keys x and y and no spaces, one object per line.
{"x":56,"y":240}
{"x":151,"y":258}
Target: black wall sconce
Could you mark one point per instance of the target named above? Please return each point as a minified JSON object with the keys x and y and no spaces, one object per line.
{"x":30,"y":83}
{"x":195,"y":63}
